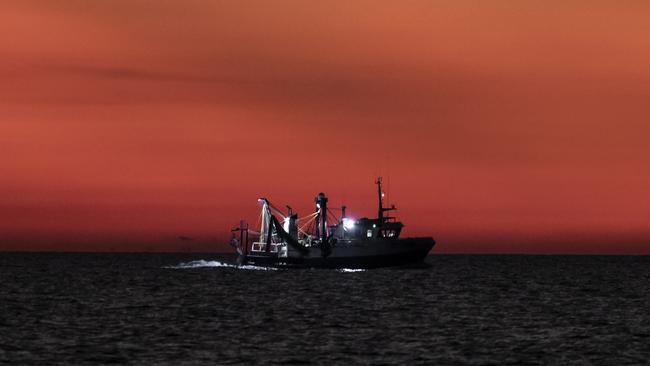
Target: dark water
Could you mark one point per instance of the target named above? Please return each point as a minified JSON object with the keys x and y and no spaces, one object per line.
{"x":133,"y":308}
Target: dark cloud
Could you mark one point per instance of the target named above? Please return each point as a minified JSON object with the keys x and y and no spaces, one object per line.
{"x":130,"y":73}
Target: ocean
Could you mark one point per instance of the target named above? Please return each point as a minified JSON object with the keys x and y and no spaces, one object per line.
{"x":87,"y":308}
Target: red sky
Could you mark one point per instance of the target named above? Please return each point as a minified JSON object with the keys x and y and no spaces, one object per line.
{"x":500,"y":126}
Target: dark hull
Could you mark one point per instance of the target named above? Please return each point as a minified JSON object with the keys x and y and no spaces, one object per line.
{"x":353,"y":254}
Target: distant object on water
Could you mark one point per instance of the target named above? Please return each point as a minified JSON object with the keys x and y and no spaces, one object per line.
{"x":362,"y":243}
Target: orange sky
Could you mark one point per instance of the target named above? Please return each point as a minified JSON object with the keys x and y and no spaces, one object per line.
{"x":500,"y":126}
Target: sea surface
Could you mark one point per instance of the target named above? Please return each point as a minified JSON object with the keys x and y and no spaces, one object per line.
{"x":74,"y":308}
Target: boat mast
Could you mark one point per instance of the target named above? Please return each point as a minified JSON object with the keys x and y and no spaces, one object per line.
{"x":380,"y":197}
{"x":321,"y":219}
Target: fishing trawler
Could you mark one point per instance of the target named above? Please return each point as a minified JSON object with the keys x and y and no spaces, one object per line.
{"x":350,"y":243}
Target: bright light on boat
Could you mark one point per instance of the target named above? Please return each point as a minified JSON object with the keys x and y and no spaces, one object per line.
{"x":285,"y":224}
{"x":348,"y":223}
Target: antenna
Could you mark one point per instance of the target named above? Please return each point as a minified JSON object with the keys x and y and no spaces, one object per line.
{"x":380,"y":197}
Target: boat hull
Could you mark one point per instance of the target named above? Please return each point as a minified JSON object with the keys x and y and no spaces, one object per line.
{"x":351,"y":254}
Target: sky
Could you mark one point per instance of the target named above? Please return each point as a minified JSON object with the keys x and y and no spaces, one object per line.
{"x":498,"y":126}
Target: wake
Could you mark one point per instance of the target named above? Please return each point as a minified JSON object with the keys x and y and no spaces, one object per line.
{"x":217,"y":264}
